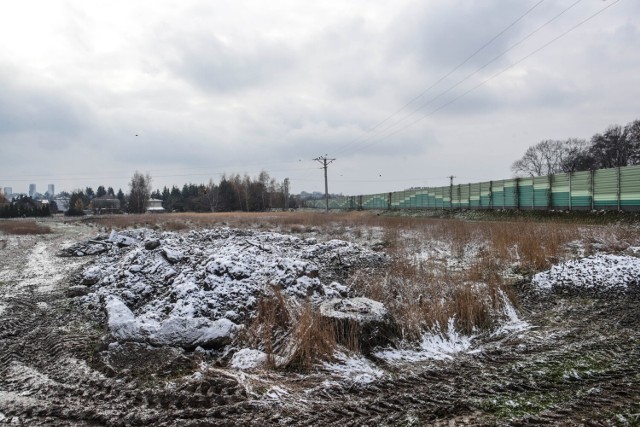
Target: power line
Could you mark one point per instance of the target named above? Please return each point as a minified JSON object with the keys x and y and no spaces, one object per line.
{"x":467,"y":59}
{"x":486,"y":80}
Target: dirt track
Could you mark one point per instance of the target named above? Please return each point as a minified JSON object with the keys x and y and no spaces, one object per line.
{"x":578,"y":364}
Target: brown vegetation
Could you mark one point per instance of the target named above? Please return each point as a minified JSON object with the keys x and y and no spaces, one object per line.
{"x":23,"y":227}
{"x":466,"y":274}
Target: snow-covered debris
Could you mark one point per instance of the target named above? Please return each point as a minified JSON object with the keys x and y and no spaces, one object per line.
{"x":248,"y":358}
{"x":596,"y":273}
{"x":362,"y":310}
{"x":193,"y":289}
{"x":375,"y":327}
{"x":184,"y":332}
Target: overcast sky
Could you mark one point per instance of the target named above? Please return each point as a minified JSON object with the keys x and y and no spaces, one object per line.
{"x":91,"y":91}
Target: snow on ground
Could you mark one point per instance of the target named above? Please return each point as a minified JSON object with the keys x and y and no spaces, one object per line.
{"x":194,"y":289}
{"x":600,"y":273}
{"x":355,"y":369}
{"x":434,"y":346}
{"x":248,"y":358}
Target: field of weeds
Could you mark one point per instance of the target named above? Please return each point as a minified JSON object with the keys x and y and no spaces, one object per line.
{"x":483,"y":322}
{"x":441,"y":273}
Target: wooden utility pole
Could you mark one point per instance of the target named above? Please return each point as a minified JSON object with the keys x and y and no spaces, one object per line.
{"x":324,"y":161}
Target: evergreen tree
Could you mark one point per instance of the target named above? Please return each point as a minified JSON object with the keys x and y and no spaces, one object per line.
{"x":101,"y":191}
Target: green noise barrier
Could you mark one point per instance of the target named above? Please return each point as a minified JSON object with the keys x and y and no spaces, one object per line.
{"x":602,"y":189}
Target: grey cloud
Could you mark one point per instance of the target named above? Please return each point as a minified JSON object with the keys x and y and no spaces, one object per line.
{"x":38,"y":108}
{"x":205,"y":61}
{"x":440,"y":35}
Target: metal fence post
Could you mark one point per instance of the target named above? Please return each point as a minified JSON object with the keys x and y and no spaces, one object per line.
{"x":593,"y":189}
{"x":618,"y":189}
{"x":570,"y":204}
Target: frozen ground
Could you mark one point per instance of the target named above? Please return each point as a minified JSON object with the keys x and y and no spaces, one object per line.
{"x":80,"y":339}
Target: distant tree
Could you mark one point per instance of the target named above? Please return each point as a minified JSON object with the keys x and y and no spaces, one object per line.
{"x":610,"y":148}
{"x":76,"y":204}
{"x":89,"y":193}
{"x":228,"y":197}
{"x":101,"y":191}
{"x":544,"y":158}
{"x":140,"y":192}
{"x":110,"y":192}
{"x":576,"y":155}
{"x":156,"y":195}
{"x":123,"y":200}
{"x":212,"y":195}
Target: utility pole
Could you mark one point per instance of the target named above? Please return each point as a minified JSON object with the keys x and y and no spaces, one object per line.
{"x":285,"y":191}
{"x":324,"y":161}
{"x":451,"y":191}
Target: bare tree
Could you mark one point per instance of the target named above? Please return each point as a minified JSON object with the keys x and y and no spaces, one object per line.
{"x":576,"y":155}
{"x":140,"y":193}
{"x":544,"y":158}
{"x":212,"y":195}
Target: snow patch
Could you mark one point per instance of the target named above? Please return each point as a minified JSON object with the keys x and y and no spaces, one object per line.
{"x":597,"y":272}
{"x":434,"y":346}
{"x":248,"y":358}
{"x":355,"y":369}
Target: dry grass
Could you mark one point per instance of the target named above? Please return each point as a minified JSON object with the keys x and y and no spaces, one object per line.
{"x":466,"y":282}
{"x":23,"y":227}
{"x":294,"y":337}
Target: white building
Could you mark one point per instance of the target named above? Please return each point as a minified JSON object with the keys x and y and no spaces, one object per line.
{"x":154,"y":205}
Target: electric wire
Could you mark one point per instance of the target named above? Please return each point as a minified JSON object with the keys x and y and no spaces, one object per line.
{"x":482,"y":83}
{"x":459,"y":82}
{"x":457,"y":67}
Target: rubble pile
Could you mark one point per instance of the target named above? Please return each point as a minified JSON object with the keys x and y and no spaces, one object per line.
{"x":195,"y":289}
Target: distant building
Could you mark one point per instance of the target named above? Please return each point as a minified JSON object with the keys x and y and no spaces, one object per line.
{"x":154,"y":205}
{"x":105,"y":204}
{"x":8,"y":191}
{"x":62,"y":203}
{"x":51,"y":190}
{"x":32,"y":190}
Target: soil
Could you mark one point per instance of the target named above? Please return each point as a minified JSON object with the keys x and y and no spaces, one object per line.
{"x":578,"y":364}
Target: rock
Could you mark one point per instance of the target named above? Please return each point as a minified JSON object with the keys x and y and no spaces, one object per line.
{"x":172,"y":255}
{"x":121,"y":240}
{"x":185,"y":332}
{"x":77,"y":291}
{"x":151,"y":244}
{"x":190,"y":333}
{"x":362,"y":319}
{"x":91,"y":276}
{"x":81,"y":249}
{"x":122,"y":322}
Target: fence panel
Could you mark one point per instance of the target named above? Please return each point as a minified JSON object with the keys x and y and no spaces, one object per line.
{"x":630,"y":188}
{"x":610,"y":189}
{"x":605,"y":189}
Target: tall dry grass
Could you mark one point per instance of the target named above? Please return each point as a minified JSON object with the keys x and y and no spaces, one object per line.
{"x":22,"y":227}
{"x":468,"y":282}
{"x":293,"y":336}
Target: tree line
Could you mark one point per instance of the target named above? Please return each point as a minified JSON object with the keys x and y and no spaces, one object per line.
{"x":231,"y":193}
{"x":616,"y":146}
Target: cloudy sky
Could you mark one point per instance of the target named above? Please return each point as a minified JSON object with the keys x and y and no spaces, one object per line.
{"x":401,"y":92}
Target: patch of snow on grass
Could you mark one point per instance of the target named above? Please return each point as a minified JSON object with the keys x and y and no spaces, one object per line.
{"x":248,"y":358}
{"x":356,"y":369}
{"x":512,"y":322}
{"x":434,"y":346}
{"x":276,"y":393}
{"x":596,"y":272}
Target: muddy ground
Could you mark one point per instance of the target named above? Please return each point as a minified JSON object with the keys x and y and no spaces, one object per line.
{"x":579,"y":364}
